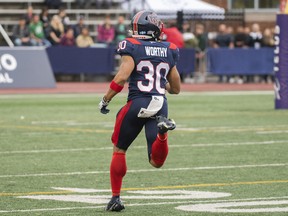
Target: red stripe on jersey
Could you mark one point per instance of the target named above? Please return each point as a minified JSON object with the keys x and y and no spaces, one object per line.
{"x":118,"y":124}
{"x":173,"y":46}
{"x":133,"y":40}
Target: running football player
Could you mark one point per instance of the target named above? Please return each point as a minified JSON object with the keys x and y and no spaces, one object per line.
{"x":150,"y":66}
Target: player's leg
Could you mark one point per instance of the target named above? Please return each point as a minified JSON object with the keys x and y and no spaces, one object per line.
{"x":126,"y":129}
{"x":157,"y":137}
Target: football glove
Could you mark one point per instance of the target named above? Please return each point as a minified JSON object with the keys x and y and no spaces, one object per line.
{"x":103,"y":106}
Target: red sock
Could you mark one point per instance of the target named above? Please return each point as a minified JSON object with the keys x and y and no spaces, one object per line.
{"x":159,"y":150}
{"x":118,"y":170}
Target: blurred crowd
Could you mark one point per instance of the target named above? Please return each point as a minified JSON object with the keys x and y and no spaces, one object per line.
{"x":56,"y":30}
{"x":195,"y":36}
{"x":45,"y":30}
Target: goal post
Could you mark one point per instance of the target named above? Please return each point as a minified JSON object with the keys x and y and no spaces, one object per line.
{"x":281,"y":58}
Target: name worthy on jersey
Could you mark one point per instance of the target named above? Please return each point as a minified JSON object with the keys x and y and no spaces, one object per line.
{"x":156,"y":51}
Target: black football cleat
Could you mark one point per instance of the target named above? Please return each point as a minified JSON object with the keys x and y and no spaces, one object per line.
{"x":165,"y":124}
{"x":115,"y":204}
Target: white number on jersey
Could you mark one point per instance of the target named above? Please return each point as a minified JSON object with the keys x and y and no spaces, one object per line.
{"x":151,"y":74}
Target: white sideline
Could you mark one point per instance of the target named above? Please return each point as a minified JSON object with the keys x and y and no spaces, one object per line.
{"x":139,"y":204}
{"x":148,"y":170}
{"x":141,"y":147}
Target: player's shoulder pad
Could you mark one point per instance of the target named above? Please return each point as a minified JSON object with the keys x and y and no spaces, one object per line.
{"x":173,"y":46}
{"x":126,"y":46}
{"x":133,"y":41}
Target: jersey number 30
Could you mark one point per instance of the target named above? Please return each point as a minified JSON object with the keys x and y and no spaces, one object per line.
{"x":153,"y":76}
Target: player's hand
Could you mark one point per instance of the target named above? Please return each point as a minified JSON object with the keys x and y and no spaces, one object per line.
{"x":103,"y":106}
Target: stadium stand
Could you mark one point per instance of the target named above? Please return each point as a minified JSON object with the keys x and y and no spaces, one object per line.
{"x":11,"y":10}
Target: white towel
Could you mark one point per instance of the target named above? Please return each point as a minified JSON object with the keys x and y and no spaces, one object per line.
{"x":154,"y":106}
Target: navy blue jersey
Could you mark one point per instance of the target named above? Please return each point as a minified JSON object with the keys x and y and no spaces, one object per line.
{"x":153,"y":61}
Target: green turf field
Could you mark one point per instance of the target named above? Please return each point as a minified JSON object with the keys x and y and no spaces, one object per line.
{"x":228,"y":156}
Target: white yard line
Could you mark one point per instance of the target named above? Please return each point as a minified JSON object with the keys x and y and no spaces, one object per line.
{"x":72,"y":123}
{"x":272,"y":132}
{"x":148,"y":170}
{"x":141,"y":147}
{"x":141,"y":204}
{"x":226,"y":93}
{"x":95,"y":95}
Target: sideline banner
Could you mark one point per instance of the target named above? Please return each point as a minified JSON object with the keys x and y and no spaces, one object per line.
{"x":25,"y":67}
{"x":281,"y":62}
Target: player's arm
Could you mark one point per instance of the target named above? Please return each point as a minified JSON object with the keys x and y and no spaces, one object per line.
{"x":117,"y":84}
{"x":174,"y":81}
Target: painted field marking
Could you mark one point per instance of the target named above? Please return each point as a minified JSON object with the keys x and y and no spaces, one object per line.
{"x":144,"y":147}
{"x":228,"y":207}
{"x":26,"y":127}
{"x":36,"y":193}
{"x":179,"y":129}
{"x":72,"y":190}
{"x":51,"y":209}
{"x":136,"y":195}
{"x":72,"y":123}
{"x":273,"y":132}
{"x":225,"y":93}
{"x":208,"y":185}
{"x":147,"y":170}
{"x":231,"y":129}
{"x":137,"y":204}
{"x":124,"y":95}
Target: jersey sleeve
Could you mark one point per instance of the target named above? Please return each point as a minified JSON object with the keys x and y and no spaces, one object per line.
{"x":125,"y":47}
{"x":175,"y":53}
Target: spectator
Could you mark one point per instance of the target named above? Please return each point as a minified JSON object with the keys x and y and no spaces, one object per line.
{"x":106,"y":32}
{"x":247,"y":32}
{"x":55,"y":30}
{"x":202,"y":37}
{"x":230,"y":33}
{"x":79,"y":26}
{"x":64,"y":18}
{"x":68,"y":38}
{"x":53,"y":4}
{"x":120,"y":30}
{"x":223,"y":39}
{"x":84,"y":4}
{"x":44,"y":17}
{"x":37,"y":32}
{"x":173,"y":35}
{"x":190,"y":41}
{"x":241,"y":39}
{"x":103,"y":4}
{"x":268,"y":38}
{"x":84,"y":39}
{"x":21,"y":34}
{"x":268,"y":41}
{"x":256,"y":36}
{"x":29,"y":15}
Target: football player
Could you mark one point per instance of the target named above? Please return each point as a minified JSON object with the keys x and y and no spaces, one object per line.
{"x":150,"y":66}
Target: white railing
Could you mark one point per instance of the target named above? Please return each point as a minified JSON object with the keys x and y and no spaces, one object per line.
{"x":6,"y":37}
